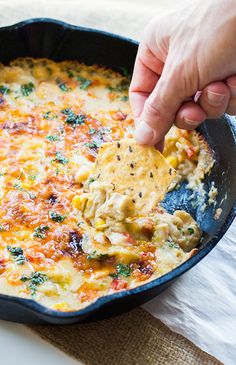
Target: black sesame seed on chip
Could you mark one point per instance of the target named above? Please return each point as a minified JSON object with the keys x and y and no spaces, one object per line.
{"x":140,"y":194}
{"x":130,"y":149}
{"x":132,"y":165}
{"x":133,"y":200}
{"x":170,"y":171}
{"x":151,"y":174}
{"x":118,"y":157}
{"x":131,"y":174}
{"x":118,"y":144}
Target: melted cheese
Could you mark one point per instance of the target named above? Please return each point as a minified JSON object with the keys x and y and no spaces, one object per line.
{"x":53,"y":119}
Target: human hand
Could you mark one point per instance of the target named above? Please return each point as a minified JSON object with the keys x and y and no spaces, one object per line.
{"x":185,"y":69}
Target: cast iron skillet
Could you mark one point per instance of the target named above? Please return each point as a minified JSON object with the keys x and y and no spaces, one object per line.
{"x":60,"y":41}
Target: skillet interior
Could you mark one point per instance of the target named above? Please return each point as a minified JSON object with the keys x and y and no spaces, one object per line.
{"x":59,"y":41}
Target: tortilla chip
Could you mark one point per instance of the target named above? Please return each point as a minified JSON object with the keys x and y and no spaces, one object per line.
{"x":141,"y":172}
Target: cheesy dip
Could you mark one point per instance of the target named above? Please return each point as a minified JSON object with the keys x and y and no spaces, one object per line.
{"x":54,"y":117}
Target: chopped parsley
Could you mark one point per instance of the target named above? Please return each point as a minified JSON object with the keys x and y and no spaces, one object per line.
{"x":36,"y":279}
{"x":4,"y":90}
{"x":124,"y":270}
{"x":32,"y":177}
{"x":122,"y":86}
{"x":63,"y":87}
{"x":113,"y":275}
{"x":90,"y":180}
{"x":27,"y":89}
{"x":92,"y":131}
{"x":49,"y":115}
{"x":56,"y":217}
{"x":61,"y":159}
{"x":121,"y":270}
{"x":83,"y":82}
{"x":124,"y":98}
{"x":69,"y":73}
{"x":93,"y":145}
{"x":125,"y":72}
{"x":99,"y":257}
{"x":190,"y":230}
{"x":172,"y":244}
{"x":40,"y":231}
{"x":72,"y":118}
{"x":52,"y":138}
{"x":18,"y":254}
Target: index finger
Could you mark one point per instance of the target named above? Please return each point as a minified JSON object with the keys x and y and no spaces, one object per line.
{"x":147,"y":71}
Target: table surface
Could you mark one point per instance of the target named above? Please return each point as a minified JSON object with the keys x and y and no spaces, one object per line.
{"x":16,"y":340}
{"x":19,"y":337}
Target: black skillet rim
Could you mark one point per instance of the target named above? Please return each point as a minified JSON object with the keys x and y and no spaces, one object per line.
{"x":165,"y":279}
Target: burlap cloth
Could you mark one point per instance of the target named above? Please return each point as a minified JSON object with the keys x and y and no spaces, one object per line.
{"x":136,"y":337}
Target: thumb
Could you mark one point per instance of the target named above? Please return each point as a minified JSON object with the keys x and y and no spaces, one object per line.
{"x":161,"y":107}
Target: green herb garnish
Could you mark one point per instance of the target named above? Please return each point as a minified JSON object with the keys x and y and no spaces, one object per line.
{"x":56,"y":217}
{"x":83,"y":82}
{"x":124,"y":270}
{"x":124,"y":98}
{"x":92,"y":131}
{"x":4,"y":90}
{"x":52,"y":138}
{"x":69,"y":73}
{"x":99,"y":257}
{"x":63,"y":87}
{"x":40,"y":231}
{"x":125,"y":72}
{"x":32,"y":177}
{"x":27,"y":89}
{"x":49,"y":115}
{"x":72,"y":118}
{"x":36,"y":279}
{"x":90,"y":180}
{"x":113,"y":275}
{"x":18,"y":254}
{"x":122,"y":86}
{"x":61,"y":159}
{"x":93,"y":145}
{"x":172,"y":244}
{"x":190,"y":230}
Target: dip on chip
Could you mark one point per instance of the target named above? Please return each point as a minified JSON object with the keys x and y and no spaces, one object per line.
{"x":140,"y":172}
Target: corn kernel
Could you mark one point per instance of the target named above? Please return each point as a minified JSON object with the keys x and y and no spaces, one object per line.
{"x":79,"y":201}
{"x":100,"y":224}
{"x":173,"y":161}
{"x":25,"y":185}
{"x":82,"y":174}
{"x":63,"y":306}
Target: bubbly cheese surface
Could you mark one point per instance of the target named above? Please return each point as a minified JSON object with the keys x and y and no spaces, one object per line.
{"x":53,"y":119}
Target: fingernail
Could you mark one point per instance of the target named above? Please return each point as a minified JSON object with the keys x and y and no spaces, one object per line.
{"x":191,"y":123}
{"x":215,"y":98}
{"x":143,"y":133}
